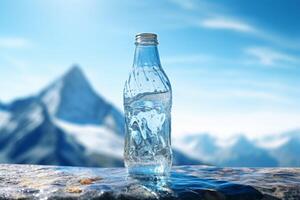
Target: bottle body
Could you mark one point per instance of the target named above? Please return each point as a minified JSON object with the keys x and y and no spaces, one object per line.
{"x":147,"y":105}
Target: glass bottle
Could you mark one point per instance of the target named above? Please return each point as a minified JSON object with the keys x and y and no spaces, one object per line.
{"x":147,"y":105}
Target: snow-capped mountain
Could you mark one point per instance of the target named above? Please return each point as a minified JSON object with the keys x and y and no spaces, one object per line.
{"x":288,"y":153}
{"x":30,"y":137}
{"x":270,"y":151}
{"x":71,"y":98}
{"x":203,"y":145}
{"x":67,"y":123}
{"x":245,"y":153}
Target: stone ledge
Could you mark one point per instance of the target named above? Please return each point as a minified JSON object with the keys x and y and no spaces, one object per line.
{"x":185,"y":182}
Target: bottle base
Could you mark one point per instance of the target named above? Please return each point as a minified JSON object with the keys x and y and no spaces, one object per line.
{"x":148,"y":170}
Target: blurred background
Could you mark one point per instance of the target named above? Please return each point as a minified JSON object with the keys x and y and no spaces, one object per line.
{"x":234,"y":68}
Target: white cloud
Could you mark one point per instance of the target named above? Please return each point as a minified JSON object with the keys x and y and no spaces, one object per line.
{"x":14,"y":42}
{"x":210,"y":16}
{"x":227,"y":24}
{"x":222,"y":22}
{"x":270,"y":57}
{"x":205,"y":14}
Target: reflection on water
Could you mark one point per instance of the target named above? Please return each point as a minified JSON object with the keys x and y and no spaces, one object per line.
{"x":157,"y":185}
{"x":188,"y":185}
{"x":184,"y":182}
{"x":203,"y":182}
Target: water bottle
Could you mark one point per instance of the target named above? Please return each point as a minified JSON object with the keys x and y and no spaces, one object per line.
{"x":147,"y":105}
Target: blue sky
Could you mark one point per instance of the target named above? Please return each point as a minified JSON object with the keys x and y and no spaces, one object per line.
{"x":234,"y":65}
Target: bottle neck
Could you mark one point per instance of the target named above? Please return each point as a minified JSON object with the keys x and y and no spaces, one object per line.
{"x":146,"y":56}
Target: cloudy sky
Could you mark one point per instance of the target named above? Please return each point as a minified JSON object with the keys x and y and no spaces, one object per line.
{"x":234,"y":65}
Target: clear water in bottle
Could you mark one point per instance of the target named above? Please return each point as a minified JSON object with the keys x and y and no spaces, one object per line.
{"x":147,"y":105}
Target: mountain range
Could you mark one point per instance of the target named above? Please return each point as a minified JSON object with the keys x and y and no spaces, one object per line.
{"x":67,"y":123}
{"x":276,"y":150}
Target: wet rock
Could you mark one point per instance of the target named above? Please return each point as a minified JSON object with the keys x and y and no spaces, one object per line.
{"x":74,"y":190}
{"x":185,"y":182}
{"x":88,"y":181}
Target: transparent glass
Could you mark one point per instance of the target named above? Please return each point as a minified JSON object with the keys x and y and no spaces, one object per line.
{"x":147,"y":104}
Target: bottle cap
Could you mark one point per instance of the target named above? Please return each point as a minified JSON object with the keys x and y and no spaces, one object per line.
{"x":146,"y":39}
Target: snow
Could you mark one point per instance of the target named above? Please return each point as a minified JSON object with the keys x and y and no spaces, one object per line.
{"x":187,"y":148}
{"x":11,"y":125}
{"x":52,"y":97}
{"x":110,"y":122}
{"x":272,"y":143}
{"x":35,"y":117}
{"x":96,"y":139}
{"x":196,"y":150}
{"x":4,"y":118}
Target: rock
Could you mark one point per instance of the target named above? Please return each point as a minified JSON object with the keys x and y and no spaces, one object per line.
{"x":74,"y":190}
{"x":185,"y":182}
{"x":87,"y":181}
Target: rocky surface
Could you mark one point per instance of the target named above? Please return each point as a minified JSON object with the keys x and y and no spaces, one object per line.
{"x":185,"y":182}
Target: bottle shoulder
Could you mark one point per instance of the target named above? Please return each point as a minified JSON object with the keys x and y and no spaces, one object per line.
{"x":150,"y":79}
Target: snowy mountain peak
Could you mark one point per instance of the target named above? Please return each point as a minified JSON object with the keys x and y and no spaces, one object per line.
{"x":242,"y":142}
{"x":71,"y":98}
{"x":75,"y":69}
{"x":67,"y":123}
{"x":76,"y":79}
